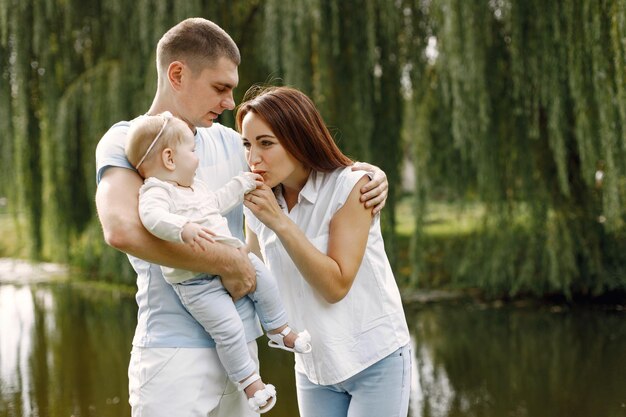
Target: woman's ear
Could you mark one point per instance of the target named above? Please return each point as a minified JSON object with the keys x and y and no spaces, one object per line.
{"x":167,"y":156}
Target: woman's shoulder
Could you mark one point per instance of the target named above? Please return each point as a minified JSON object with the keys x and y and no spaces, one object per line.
{"x":347,"y":174}
{"x":338,"y":184}
{"x":347,"y":179}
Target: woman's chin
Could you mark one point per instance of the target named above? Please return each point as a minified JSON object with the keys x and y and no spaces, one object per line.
{"x":271,"y":184}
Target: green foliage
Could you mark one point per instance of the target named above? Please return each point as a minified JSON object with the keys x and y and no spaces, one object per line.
{"x":11,"y":228}
{"x":73,"y":70}
{"x":526,"y":101}
{"x":98,"y":261}
{"x":515,"y":106}
{"x":346,"y":56}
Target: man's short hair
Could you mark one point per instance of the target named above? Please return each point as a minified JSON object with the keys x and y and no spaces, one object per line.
{"x":197,"y":42}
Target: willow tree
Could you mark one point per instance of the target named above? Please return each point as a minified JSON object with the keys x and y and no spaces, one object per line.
{"x":527,"y":102}
{"x":346,"y":56}
{"x":520,"y":108}
{"x":74,"y":68}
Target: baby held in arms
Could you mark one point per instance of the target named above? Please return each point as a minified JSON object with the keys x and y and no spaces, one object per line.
{"x":177,"y":207}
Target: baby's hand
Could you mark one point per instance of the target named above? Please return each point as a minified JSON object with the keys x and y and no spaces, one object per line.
{"x":196,"y":235}
{"x":254,"y":177}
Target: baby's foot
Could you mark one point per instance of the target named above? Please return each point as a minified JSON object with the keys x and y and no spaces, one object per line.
{"x":261,"y":397}
{"x":251,"y":389}
{"x":284,"y":338}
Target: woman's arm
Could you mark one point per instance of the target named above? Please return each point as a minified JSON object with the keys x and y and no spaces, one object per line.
{"x":331,"y":274}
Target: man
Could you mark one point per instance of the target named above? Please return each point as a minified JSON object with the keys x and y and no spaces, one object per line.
{"x":174,"y":368}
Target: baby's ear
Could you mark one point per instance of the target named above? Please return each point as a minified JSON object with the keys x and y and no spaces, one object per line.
{"x":167,"y":156}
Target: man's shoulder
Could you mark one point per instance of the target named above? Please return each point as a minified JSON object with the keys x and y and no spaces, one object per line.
{"x":110,"y":151}
{"x":116,"y":133}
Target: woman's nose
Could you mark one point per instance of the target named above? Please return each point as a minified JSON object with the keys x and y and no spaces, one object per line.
{"x":253,"y":156}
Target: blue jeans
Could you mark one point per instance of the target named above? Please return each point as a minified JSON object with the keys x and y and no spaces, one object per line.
{"x":381,"y":390}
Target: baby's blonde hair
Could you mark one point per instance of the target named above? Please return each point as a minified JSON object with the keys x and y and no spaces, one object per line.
{"x":143,"y":132}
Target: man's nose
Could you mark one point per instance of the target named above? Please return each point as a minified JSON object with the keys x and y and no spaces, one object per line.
{"x":229,"y":102}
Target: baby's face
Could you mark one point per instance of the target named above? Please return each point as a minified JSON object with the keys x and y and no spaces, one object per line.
{"x":186,"y":159}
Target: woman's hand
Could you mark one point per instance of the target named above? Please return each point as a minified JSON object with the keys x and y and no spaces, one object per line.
{"x":262,"y":203}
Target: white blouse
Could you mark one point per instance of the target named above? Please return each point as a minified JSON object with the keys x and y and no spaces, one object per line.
{"x":365,"y":326}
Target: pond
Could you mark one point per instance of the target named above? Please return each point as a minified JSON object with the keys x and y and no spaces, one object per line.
{"x":64,"y":352}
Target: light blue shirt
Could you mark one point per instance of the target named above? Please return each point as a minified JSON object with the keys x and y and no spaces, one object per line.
{"x":162,"y":321}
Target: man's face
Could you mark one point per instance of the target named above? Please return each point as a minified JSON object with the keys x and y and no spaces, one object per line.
{"x":204,"y":96}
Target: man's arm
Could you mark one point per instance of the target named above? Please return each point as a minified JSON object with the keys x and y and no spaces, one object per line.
{"x":117,"y":201}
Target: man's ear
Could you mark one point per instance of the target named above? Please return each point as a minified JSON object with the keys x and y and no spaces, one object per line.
{"x":175,"y":72}
{"x":167,"y":156}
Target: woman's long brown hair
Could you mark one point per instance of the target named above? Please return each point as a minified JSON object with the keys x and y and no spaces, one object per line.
{"x":297,"y":124}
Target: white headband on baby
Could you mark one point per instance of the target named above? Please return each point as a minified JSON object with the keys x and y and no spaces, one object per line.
{"x":167,"y":116}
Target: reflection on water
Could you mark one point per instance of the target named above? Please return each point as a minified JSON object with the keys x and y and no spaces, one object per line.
{"x":472,"y":361}
{"x":16,"y":321}
{"x":64,"y":352}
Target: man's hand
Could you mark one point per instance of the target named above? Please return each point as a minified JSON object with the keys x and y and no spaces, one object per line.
{"x":374,"y":193}
{"x":241,"y":277}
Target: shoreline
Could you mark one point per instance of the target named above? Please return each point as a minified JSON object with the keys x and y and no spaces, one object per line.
{"x":20,"y":271}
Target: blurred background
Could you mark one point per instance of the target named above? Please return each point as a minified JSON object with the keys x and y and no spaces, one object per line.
{"x":501,"y":125}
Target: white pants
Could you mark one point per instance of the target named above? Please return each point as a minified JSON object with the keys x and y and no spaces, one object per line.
{"x":166,"y":382}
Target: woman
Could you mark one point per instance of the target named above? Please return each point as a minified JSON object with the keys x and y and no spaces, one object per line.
{"x":327,"y":252}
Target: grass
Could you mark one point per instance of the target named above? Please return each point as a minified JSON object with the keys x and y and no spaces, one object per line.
{"x":442,"y":219}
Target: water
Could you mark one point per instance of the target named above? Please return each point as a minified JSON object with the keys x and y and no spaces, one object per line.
{"x":64,"y":352}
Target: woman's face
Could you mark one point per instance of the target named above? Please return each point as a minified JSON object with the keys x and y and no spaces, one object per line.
{"x":267,"y":156}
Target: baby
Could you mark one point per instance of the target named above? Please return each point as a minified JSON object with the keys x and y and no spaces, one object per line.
{"x":175,"y":206}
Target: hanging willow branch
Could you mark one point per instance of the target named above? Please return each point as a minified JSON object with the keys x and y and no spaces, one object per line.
{"x":535,"y":96}
{"x":519,"y":110}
